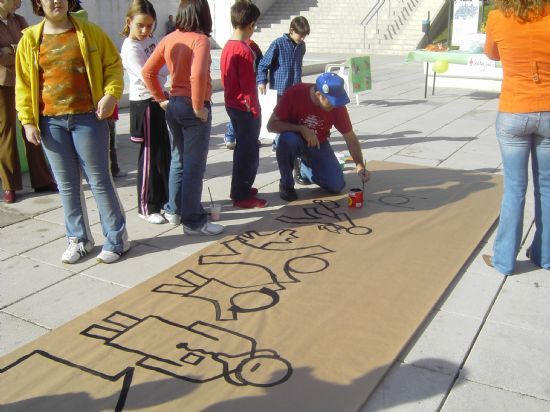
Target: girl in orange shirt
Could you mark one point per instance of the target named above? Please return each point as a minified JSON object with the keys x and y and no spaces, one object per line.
{"x":186,"y":53}
{"x":518,"y":34}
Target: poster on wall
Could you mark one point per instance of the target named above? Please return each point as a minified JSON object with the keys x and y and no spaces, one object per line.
{"x":465,"y":21}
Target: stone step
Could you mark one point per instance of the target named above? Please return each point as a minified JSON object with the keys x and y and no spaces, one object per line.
{"x":396,"y":33}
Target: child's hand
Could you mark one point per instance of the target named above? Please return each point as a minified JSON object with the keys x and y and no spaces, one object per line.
{"x":32,"y":134}
{"x":105,"y":107}
{"x":202,"y":114}
{"x":261,"y":88}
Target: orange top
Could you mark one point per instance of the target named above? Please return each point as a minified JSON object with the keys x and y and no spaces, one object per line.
{"x":187,"y":57}
{"x":524,"y":50}
{"x":64,"y":87}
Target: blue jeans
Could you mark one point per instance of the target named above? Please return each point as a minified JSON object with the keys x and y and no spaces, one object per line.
{"x":246,"y":156}
{"x":81,"y":142}
{"x":190,"y":139}
{"x":521,"y":135}
{"x":320,"y":166}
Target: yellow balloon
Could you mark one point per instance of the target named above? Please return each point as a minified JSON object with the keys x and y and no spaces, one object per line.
{"x":440,"y":66}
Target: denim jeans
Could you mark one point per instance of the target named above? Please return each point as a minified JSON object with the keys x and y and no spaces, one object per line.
{"x":320,"y":166}
{"x":190,"y":139}
{"x":521,"y":135}
{"x":246,"y":156}
{"x":75,"y":143}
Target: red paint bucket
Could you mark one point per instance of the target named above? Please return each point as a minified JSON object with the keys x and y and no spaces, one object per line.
{"x":355,"y":198}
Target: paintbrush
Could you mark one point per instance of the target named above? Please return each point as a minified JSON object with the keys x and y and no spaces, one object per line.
{"x":211,"y":201}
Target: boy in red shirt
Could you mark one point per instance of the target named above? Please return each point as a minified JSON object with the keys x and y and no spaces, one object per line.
{"x":237,"y":64}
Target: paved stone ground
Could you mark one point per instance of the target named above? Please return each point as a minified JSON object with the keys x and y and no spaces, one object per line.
{"x":483,"y":348}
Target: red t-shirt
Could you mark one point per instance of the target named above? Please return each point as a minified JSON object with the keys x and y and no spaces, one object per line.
{"x":296,"y":107}
{"x":238,"y":77}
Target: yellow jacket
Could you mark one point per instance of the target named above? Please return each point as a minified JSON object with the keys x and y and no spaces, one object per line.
{"x":103,"y":66}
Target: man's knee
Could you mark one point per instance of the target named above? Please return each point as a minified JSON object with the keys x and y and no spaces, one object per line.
{"x":335,"y":188}
{"x":334,"y":185}
{"x":289,"y":139}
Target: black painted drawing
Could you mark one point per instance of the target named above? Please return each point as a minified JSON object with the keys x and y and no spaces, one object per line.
{"x":327,"y":217}
{"x":228,"y":300}
{"x":253,"y":285}
{"x":397,"y":200}
{"x":42,"y":361}
{"x":253,"y":268}
{"x":199,"y":352}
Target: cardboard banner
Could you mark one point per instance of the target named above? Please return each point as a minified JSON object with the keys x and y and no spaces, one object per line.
{"x":305,"y":310}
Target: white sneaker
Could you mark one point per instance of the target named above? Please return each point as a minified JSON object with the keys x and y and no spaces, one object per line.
{"x":209,"y":229}
{"x":155,"y":218}
{"x":75,"y":250}
{"x":172,"y":218}
{"x":230,"y":145}
{"x":106,"y":256}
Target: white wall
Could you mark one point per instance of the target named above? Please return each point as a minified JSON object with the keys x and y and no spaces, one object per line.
{"x":110,"y":15}
{"x":221,"y":16}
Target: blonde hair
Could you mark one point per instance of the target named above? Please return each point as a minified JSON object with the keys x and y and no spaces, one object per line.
{"x":525,"y":10}
{"x":136,"y":8}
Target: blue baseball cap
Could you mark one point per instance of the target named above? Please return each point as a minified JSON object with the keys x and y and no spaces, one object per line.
{"x":331,"y":86}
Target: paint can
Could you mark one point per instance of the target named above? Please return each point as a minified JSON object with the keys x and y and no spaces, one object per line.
{"x":355,"y":198}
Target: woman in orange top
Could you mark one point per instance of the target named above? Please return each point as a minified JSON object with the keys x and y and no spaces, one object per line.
{"x":518,"y":34}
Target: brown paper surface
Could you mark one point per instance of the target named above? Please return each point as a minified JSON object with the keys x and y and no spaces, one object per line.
{"x":305,"y":310}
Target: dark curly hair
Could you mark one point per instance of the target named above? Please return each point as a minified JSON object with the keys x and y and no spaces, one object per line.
{"x":525,"y":10}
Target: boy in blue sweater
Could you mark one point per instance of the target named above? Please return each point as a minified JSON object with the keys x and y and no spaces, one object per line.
{"x":283,"y":59}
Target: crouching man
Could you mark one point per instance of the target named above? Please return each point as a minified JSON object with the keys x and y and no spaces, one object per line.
{"x":303,"y":117}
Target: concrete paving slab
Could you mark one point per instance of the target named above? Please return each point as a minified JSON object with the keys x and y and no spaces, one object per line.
{"x":408,"y":388}
{"x":176,"y":242}
{"x":36,"y":232}
{"x":15,"y":332}
{"x":127,"y":193}
{"x":51,"y":252}
{"x":511,"y":358}
{"x":64,"y":301}
{"x":473,"y":160}
{"x":525,"y":305}
{"x":399,"y":158}
{"x":444,"y":343}
{"x":22,"y":277}
{"x":143,"y":262}
{"x":472,"y":295}
{"x":5,"y":255}
{"x":56,"y":215}
{"x":436,"y":150}
{"x":140,"y":230}
{"x":9,"y":217}
{"x":469,"y":396}
{"x":30,"y":203}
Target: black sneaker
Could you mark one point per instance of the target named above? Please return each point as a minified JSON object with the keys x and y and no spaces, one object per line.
{"x":298,"y":178}
{"x":287,"y":193}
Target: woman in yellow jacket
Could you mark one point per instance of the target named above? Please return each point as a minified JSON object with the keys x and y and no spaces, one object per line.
{"x":69,"y":78}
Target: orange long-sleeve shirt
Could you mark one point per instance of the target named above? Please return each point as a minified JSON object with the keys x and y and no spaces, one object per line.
{"x":524,"y":50}
{"x":187,"y":57}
